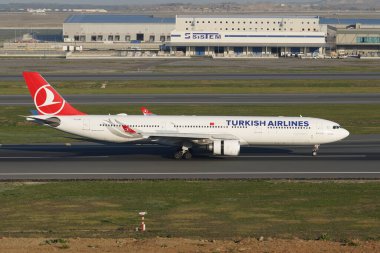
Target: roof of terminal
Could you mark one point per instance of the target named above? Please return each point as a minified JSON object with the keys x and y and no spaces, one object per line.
{"x":114,"y":18}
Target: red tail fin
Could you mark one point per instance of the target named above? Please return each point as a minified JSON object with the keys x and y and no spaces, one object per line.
{"x":46,"y":99}
{"x":146,"y":112}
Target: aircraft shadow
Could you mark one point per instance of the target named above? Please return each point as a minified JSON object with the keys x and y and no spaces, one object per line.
{"x":115,"y":150}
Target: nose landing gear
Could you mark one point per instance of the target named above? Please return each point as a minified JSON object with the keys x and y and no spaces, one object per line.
{"x":315,"y":150}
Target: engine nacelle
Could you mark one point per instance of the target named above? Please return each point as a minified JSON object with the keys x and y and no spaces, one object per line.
{"x":225,"y":147}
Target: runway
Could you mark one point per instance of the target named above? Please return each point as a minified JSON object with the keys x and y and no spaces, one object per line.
{"x":201,"y":76}
{"x":358,"y":157}
{"x":364,"y":98}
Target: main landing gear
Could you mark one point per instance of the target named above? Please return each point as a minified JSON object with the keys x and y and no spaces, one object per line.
{"x":315,"y":150}
{"x":184,"y":153}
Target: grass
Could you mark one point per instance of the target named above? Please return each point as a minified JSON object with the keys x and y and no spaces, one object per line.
{"x":358,"y":119}
{"x":208,"y":209}
{"x":203,"y":86}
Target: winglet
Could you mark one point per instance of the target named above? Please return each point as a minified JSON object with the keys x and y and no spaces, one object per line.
{"x":146,"y":112}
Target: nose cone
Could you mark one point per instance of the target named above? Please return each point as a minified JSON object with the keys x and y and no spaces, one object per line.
{"x":345,"y":133}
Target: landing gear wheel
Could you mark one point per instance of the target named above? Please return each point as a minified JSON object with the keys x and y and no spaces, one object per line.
{"x":178,"y":155}
{"x":315,"y":150}
{"x":187,"y":155}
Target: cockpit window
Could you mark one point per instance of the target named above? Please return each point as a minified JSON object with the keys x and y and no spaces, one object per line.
{"x":336,"y":127}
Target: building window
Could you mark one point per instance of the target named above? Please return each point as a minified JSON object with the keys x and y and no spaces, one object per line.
{"x":127,"y":37}
{"x":186,"y":22}
{"x":140,"y":36}
{"x":209,"y":22}
{"x":152,"y":38}
{"x":233,"y":29}
{"x":110,"y":37}
{"x":187,"y":28}
{"x":82,"y":38}
{"x":168,"y":38}
{"x":372,"y":40}
{"x":76,"y":37}
{"x":162,"y":38}
{"x":99,"y":38}
{"x":117,"y":37}
{"x":93,"y":38}
{"x":226,"y":29}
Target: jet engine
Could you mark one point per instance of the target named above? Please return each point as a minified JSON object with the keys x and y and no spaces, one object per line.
{"x":225,"y":147}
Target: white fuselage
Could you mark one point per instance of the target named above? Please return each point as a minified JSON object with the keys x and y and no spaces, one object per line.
{"x":250,"y":130}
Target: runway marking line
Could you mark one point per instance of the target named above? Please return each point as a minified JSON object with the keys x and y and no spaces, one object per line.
{"x":192,"y":173}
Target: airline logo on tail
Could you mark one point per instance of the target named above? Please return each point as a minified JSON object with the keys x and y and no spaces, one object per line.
{"x":146,"y":112}
{"x":47,"y":100}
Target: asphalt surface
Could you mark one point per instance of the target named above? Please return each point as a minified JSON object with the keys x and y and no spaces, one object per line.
{"x":364,"y":98}
{"x":201,"y":76}
{"x":358,"y":157}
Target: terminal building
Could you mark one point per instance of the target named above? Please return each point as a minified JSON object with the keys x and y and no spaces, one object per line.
{"x":220,"y":35}
{"x":357,"y":40}
{"x":247,"y":36}
{"x":117,"y":28}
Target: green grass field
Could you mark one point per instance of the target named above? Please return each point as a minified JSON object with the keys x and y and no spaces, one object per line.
{"x":203,"y":86}
{"x":358,"y":119}
{"x":207,"y":209}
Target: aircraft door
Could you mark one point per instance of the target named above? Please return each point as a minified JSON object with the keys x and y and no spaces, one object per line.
{"x":86,"y":124}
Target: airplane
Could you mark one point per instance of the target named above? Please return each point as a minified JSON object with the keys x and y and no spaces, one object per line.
{"x":221,"y":135}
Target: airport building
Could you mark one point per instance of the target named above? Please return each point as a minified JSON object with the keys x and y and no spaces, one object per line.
{"x":117,"y":28}
{"x":247,"y":36}
{"x":117,"y":35}
{"x":198,"y":35}
{"x":358,"y":40}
